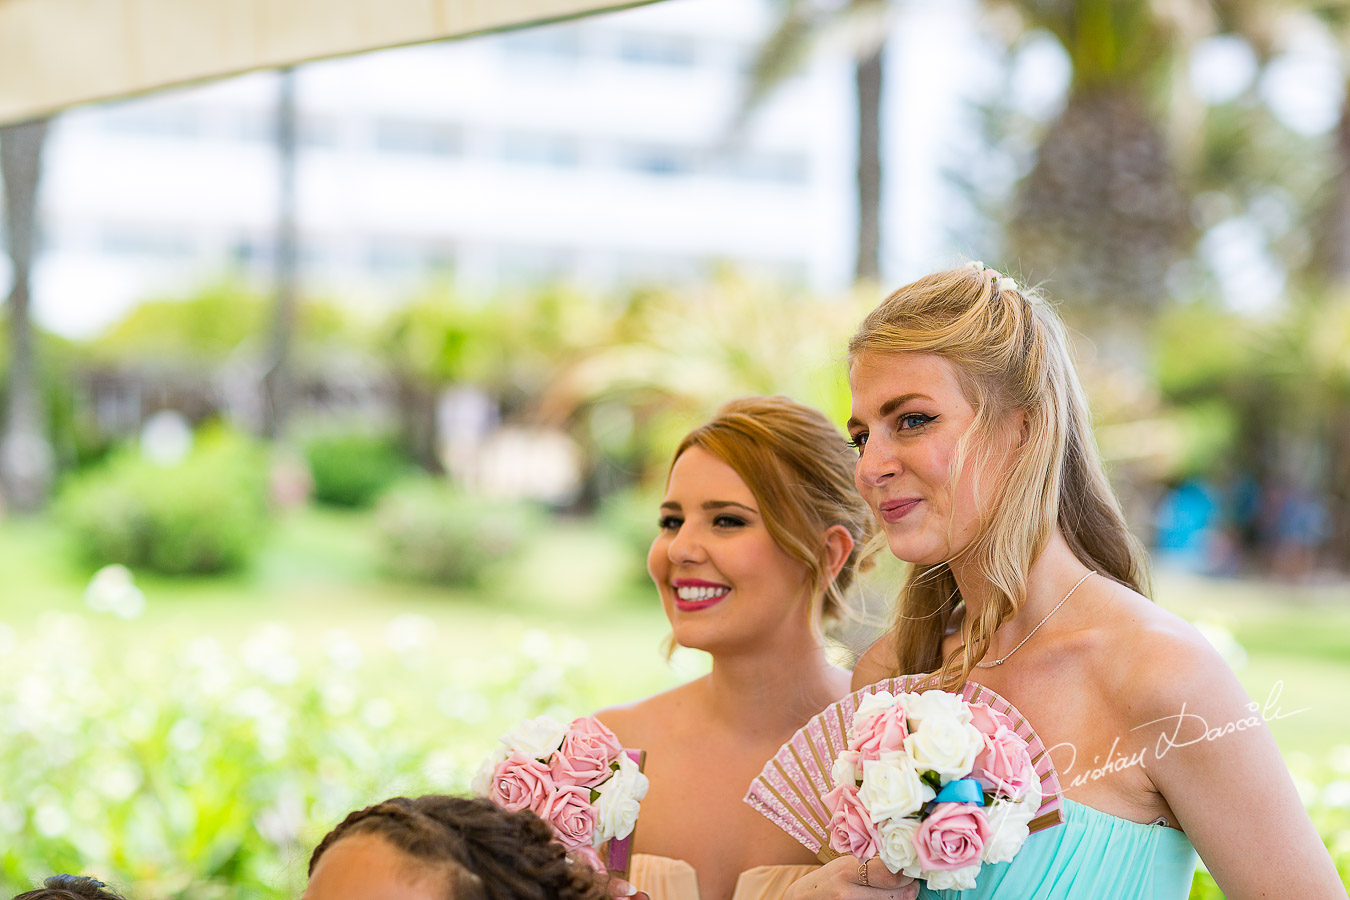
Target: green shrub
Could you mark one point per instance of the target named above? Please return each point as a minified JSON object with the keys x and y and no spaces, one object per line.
{"x":432,"y":532}
{"x":205,"y":514}
{"x":354,"y":469}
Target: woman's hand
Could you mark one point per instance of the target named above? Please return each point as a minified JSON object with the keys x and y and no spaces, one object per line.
{"x":847,"y":878}
{"x":622,"y":890}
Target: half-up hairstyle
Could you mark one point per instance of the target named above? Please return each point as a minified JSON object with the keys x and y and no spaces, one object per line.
{"x":487,"y":852}
{"x":799,"y":467}
{"x":1010,"y":352}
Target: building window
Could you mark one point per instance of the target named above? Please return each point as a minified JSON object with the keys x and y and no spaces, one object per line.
{"x":419,"y":137}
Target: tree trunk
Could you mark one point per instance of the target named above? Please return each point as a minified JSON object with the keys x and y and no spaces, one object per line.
{"x":1333,"y":243}
{"x":25,"y":452}
{"x":869,"y":83}
{"x":278,"y":382}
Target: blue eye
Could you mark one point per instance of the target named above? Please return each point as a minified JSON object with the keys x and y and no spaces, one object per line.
{"x":858,"y":442}
{"x":914,"y":420}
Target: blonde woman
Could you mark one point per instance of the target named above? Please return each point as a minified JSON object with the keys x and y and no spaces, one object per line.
{"x":760,"y":530}
{"x":977,"y":457}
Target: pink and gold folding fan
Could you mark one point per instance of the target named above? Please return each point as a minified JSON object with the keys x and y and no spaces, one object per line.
{"x":789,"y":791}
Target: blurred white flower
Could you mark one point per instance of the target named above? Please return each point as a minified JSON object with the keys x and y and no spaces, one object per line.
{"x":1340,"y":759}
{"x":113,"y":590}
{"x":378,"y":713}
{"x":268,"y":652}
{"x":409,"y":632}
{"x":281,"y":822}
{"x":1222,"y":640}
{"x":186,"y":735}
{"x":51,"y":819}
{"x":1337,"y":794}
{"x":342,"y":650}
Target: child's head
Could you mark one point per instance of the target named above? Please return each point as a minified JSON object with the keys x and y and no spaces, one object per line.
{"x":437,"y":847}
{"x":71,"y":887}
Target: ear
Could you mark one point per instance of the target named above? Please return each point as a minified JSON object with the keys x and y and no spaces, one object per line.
{"x":1021,"y":426}
{"x":838,"y":546}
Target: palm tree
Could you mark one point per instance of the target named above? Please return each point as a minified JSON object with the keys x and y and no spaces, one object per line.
{"x":803,"y":23}
{"x":1102,"y":214}
{"x":278,"y":381}
{"x":25,"y":452}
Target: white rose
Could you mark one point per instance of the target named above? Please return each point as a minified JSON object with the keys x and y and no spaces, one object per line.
{"x":846,"y":769}
{"x":952,"y":879}
{"x":617,"y":808}
{"x":1031,"y":799}
{"x":482,"y":779}
{"x":1007,"y":830}
{"x":897,"y":848}
{"x":935,"y":703}
{"x":873,"y":705}
{"x":539,"y":737}
{"x":891,"y":788}
{"x":946,"y":746}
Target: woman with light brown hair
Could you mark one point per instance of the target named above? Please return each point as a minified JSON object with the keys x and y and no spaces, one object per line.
{"x":976,"y":454}
{"x":760,"y":534}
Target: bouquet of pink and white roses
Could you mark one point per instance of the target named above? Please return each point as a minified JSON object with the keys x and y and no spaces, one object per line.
{"x":934,"y":785}
{"x":576,"y":777}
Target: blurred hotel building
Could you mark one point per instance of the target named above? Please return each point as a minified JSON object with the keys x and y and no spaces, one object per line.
{"x":597,"y":151}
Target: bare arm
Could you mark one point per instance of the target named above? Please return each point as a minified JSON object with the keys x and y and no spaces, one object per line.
{"x":842,"y":879}
{"x":1213,"y":759}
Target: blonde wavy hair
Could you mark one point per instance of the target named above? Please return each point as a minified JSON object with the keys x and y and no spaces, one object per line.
{"x":799,"y":468}
{"x":1010,"y":352}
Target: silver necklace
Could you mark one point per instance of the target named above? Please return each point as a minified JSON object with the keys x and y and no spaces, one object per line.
{"x":999,"y":662}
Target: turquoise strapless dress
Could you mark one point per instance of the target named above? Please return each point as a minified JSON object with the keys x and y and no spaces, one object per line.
{"x":1093,"y":856}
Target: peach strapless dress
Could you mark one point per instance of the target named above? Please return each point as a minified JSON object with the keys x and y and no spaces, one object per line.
{"x":674,"y":879}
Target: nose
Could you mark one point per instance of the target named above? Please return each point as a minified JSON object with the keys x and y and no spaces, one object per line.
{"x":876,"y":466}
{"x":685,"y":547}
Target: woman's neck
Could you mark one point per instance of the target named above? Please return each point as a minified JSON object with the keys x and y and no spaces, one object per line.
{"x":773,"y":689}
{"x":1051,"y":576}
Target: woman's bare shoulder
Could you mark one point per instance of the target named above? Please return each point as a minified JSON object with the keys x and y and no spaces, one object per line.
{"x":650,"y":721}
{"x":877,"y":663}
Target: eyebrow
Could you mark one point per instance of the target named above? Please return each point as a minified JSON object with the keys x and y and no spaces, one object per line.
{"x":889,"y":407}
{"x":712,"y":504}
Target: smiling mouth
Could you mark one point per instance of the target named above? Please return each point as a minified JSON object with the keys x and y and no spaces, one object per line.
{"x":693,"y":597}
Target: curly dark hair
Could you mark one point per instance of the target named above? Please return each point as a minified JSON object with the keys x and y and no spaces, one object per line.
{"x":491,"y":854}
{"x":71,"y":887}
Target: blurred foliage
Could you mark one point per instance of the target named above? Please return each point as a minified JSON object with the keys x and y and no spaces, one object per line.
{"x":204,"y":514}
{"x":213,"y":323}
{"x":431,"y":531}
{"x":354,"y":468}
{"x":209,"y":771}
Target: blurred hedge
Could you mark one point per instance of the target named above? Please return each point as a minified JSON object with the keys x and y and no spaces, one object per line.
{"x":432,"y":532}
{"x":205,"y":514}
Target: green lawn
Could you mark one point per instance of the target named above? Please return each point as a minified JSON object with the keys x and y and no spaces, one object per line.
{"x":321,"y":572}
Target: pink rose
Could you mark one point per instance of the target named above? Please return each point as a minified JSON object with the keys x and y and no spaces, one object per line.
{"x":987,"y":719}
{"x":572,"y":816}
{"x":881,"y":733}
{"x":952,"y":837}
{"x":1004,"y":765}
{"x":851,"y":828}
{"x":521,"y":782}
{"x":587,"y":749}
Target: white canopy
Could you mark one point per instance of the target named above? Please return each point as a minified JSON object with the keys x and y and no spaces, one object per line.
{"x":57,"y":53}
